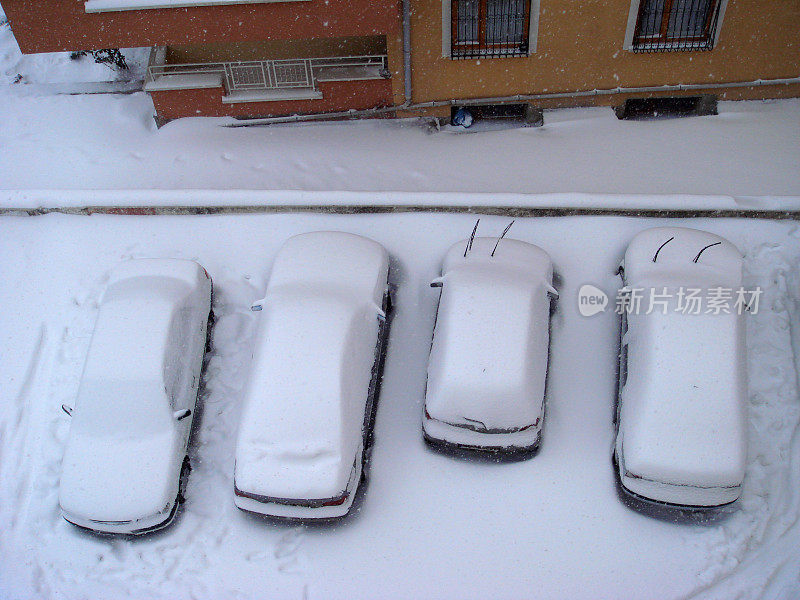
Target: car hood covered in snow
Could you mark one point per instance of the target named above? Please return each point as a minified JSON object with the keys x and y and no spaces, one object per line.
{"x":679,"y":256}
{"x":107,"y":478}
{"x":488,"y":361}
{"x":683,"y":407}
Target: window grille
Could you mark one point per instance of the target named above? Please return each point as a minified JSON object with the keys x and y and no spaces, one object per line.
{"x":677,"y":25}
{"x":489,"y":28}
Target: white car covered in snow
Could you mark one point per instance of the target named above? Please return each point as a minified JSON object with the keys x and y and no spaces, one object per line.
{"x":307,"y":414}
{"x":488,"y":360}
{"x":681,"y":408}
{"x":126,"y":452}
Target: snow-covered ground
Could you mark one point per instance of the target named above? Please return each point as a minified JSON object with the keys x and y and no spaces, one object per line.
{"x":430,"y":525}
{"x":102,"y":142}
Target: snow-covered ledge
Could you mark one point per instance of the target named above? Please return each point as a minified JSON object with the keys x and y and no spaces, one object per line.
{"x":97,"y":6}
{"x":184,"y":81}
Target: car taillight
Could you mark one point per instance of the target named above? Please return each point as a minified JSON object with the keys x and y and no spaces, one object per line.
{"x":336,"y":501}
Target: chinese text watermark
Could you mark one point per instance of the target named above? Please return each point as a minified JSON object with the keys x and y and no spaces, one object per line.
{"x":683,"y":300}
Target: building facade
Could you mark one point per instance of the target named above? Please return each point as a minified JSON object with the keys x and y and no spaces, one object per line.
{"x":270,"y":58}
{"x":590,"y":52}
{"x":233,"y":57}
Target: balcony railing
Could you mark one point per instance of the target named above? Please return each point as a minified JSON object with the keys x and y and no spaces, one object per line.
{"x":280,"y":74}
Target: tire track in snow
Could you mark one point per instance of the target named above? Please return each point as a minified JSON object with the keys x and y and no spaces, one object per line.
{"x":17,"y":465}
{"x":14,"y":459}
{"x":287,"y":551}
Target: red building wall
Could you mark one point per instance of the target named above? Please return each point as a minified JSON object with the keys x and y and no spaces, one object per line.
{"x":61,"y":25}
{"x":336,"y":96}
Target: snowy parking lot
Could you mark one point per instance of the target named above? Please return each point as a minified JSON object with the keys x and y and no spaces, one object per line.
{"x":429,"y":525}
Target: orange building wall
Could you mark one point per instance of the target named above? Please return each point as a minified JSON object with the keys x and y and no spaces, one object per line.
{"x":580,"y":47}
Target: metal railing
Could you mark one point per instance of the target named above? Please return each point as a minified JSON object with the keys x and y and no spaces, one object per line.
{"x":268,"y":74}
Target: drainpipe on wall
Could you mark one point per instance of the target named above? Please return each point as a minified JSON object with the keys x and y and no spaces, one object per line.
{"x":407,"y":51}
{"x":516,"y":98}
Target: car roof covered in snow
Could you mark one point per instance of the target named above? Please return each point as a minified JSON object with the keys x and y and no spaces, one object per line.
{"x":131,"y":346}
{"x":304,"y":408}
{"x":683,"y":257}
{"x":682,"y":417}
{"x":488,"y":361}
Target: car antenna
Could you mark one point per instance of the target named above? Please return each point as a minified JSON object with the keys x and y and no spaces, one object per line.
{"x":502,"y":235}
{"x":655,"y":256}
{"x":471,"y":238}
{"x":704,"y":249}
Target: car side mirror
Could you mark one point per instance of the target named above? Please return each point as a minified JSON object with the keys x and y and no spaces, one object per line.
{"x":258,"y":304}
{"x":67,"y":409}
{"x":438,"y":282}
{"x":181,"y":414}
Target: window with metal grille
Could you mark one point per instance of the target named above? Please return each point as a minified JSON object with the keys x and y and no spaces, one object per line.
{"x":665,"y":25}
{"x":489,"y":28}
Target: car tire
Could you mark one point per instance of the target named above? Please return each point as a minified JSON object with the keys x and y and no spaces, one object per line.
{"x":186,"y":468}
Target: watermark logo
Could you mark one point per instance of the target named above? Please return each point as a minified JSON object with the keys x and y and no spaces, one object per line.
{"x":684,"y":300}
{"x":591,"y":300}
{"x":688,"y":301}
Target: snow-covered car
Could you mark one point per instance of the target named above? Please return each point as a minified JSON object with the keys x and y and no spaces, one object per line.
{"x":681,"y":412}
{"x":126,"y":455}
{"x":307,"y":415}
{"x":488,"y":360}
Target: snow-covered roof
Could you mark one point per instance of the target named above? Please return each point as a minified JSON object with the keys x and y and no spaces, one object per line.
{"x":304,"y":406}
{"x":675,"y":250}
{"x":131,"y":348}
{"x":489,"y":356}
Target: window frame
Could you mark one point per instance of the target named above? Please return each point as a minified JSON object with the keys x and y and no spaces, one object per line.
{"x":664,"y":43}
{"x":449,"y":25}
